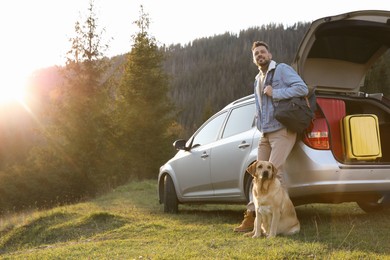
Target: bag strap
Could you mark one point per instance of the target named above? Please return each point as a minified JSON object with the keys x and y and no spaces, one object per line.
{"x":271,"y":78}
{"x":307,"y":102}
{"x":271,"y":75}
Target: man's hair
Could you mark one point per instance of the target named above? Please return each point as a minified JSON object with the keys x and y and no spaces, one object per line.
{"x":260,"y":43}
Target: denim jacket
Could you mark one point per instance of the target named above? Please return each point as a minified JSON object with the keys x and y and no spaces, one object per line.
{"x":286,"y":84}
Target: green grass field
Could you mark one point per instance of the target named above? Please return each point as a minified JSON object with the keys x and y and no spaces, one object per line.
{"x":130,"y":224}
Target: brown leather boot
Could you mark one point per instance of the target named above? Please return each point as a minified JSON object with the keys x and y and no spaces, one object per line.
{"x":247,"y":223}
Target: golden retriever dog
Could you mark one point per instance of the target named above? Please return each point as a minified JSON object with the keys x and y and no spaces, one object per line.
{"x":275,"y":213}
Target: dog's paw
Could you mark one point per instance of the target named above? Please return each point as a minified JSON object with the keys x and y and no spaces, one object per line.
{"x":270,"y":236}
{"x":249,"y":234}
{"x":256,"y":236}
{"x":294,"y":230}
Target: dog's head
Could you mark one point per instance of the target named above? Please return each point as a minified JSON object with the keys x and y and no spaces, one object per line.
{"x":262,"y":170}
{"x":264,"y":174}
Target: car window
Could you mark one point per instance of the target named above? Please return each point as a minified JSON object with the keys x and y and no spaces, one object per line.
{"x":377,"y":79}
{"x":210,"y":131}
{"x":240,"y":120}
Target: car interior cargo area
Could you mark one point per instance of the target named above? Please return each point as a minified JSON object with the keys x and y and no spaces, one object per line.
{"x":358,"y":129}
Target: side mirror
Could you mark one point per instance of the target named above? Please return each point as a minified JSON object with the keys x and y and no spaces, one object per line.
{"x":180,"y":145}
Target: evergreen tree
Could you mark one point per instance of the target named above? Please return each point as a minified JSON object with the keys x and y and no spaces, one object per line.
{"x":144,"y":110}
{"x":77,"y":117}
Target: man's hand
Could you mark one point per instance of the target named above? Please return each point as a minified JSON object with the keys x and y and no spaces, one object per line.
{"x":268,"y":90}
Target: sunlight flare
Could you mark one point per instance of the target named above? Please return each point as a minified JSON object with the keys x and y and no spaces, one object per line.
{"x":13,"y":89}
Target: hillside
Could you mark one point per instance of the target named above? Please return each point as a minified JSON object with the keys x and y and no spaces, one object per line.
{"x":128,"y":223}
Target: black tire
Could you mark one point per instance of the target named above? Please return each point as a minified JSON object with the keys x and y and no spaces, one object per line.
{"x":248,"y":186}
{"x":371,"y":206}
{"x":171,"y":204}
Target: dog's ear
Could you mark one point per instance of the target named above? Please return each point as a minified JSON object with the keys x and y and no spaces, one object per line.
{"x":252,"y":168}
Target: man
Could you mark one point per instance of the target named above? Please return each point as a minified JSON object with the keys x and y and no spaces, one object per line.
{"x":276,"y":142}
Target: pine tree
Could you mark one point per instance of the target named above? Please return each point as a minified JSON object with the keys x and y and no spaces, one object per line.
{"x":144,"y":109}
{"x":77,"y":118}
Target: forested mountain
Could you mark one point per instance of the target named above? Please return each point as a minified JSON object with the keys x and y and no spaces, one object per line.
{"x":209,"y":73}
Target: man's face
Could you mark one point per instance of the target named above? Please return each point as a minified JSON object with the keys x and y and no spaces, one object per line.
{"x":261,"y":56}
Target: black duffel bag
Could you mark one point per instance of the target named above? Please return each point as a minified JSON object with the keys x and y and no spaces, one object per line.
{"x":294,"y":113}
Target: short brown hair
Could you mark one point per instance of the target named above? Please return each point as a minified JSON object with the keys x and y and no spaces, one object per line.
{"x":260,"y":43}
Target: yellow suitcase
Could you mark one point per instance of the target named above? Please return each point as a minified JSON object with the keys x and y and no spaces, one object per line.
{"x":360,"y":137}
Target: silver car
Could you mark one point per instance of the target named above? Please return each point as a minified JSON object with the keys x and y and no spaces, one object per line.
{"x":334,"y":56}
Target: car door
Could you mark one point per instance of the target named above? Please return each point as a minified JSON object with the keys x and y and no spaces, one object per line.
{"x":229,"y":155}
{"x":193,"y":168}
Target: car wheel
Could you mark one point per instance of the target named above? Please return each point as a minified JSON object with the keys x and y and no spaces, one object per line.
{"x":371,"y":206}
{"x":171,"y":204}
{"x":248,"y":187}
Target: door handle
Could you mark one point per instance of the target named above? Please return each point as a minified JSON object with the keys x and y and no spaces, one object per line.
{"x":243,"y":145}
{"x":204,"y":155}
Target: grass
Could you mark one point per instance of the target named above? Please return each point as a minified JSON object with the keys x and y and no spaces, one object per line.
{"x":128,"y":223}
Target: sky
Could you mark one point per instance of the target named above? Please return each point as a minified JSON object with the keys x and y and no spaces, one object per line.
{"x":35,"y":33}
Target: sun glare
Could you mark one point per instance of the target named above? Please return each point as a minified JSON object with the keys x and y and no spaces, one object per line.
{"x":13,"y":89}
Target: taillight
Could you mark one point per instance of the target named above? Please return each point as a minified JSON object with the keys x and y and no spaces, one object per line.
{"x":317,"y":137}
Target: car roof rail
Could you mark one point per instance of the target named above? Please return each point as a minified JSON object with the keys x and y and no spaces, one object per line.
{"x":243,"y":99}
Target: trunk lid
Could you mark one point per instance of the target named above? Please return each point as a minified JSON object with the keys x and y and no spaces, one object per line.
{"x":337,"y":51}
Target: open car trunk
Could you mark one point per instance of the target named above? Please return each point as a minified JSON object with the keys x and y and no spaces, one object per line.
{"x":337,"y":56}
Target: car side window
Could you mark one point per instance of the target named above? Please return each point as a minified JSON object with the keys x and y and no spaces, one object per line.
{"x":210,"y":131}
{"x":241,"y":119}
